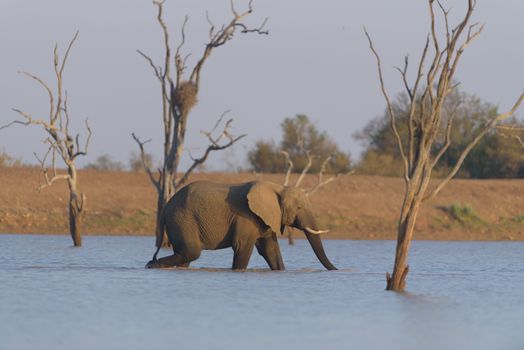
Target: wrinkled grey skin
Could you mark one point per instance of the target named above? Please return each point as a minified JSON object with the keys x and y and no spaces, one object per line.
{"x":207,"y":215}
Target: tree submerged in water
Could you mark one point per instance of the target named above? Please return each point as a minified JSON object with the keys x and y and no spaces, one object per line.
{"x":418,"y":148}
{"x":179,"y":94}
{"x":62,"y":144}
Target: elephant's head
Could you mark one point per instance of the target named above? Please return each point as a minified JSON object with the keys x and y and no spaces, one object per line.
{"x":278,"y":206}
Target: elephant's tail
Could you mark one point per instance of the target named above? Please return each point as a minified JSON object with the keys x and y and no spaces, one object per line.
{"x":160,"y":235}
{"x":156,"y":253}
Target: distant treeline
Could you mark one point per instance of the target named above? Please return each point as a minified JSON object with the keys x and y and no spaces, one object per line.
{"x":498,"y":155}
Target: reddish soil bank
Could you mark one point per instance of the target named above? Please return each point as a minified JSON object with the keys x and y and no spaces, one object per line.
{"x":352,"y":207}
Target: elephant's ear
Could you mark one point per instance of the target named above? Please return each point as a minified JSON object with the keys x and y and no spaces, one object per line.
{"x":263,"y":200}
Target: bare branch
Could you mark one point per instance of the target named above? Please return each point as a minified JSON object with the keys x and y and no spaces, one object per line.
{"x":306,"y":168}
{"x":490,"y":125}
{"x":403,"y":74}
{"x":66,"y":55}
{"x":167,"y":61}
{"x":289,"y":168}
{"x":432,"y":72}
{"x":86,"y":145}
{"x":183,"y":34}
{"x":157,"y":70}
{"x":45,"y":170}
{"x":49,"y":92}
{"x":51,"y":181}
{"x":15,"y":122}
{"x":66,"y":112}
{"x":447,"y":142}
{"x":390,"y":108}
{"x":180,"y":64}
{"x":232,"y":4}
{"x":413,"y":104}
{"x":29,"y":120}
{"x":258,"y":30}
{"x":209,"y":134}
{"x":222,"y":36}
{"x":154,"y":181}
{"x":445,"y":13}
{"x":213,"y":146}
{"x":211,"y":25}
{"x":322,"y":182}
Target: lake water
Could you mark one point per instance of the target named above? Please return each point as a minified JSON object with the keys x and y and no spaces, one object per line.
{"x":462,"y":295}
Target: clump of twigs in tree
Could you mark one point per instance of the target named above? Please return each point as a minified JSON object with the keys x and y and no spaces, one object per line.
{"x":179,"y":95}
{"x":62,"y":144}
{"x":186,"y":97}
{"x":427,"y":97}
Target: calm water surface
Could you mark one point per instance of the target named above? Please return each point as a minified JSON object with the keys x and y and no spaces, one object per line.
{"x":462,"y":295}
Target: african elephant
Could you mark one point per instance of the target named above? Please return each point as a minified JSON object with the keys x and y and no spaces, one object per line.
{"x":207,"y":215}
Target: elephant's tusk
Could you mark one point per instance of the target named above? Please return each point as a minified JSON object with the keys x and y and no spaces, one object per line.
{"x":310,"y":230}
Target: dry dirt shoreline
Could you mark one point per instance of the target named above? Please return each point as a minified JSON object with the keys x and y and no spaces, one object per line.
{"x":352,"y":207}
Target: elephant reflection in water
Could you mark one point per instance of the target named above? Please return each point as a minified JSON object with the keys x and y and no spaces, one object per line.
{"x":207,"y":215}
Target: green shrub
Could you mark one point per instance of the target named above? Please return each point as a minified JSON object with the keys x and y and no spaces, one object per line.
{"x":519,"y":218}
{"x":465,"y":214}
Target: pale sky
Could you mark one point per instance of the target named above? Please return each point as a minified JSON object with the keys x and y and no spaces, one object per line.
{"x":315,"y":61}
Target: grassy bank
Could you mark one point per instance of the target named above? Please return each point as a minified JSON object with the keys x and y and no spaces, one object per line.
{"x":353,"y":207}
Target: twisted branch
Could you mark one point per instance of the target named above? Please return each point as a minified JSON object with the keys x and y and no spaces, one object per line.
{"x":214,"y":145}
{"x":154,"y":181}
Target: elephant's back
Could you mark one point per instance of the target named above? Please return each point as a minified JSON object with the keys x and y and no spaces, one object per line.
{"x":200,"y":195}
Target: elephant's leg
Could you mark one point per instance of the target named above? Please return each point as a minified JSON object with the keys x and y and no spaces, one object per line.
{"x":242,"y":254}
{"x":269,"y":249}
{"x":167,"y":261}
{"x":184,"y":238}
{"x":189,"y":253}
{"x":179,"y":258}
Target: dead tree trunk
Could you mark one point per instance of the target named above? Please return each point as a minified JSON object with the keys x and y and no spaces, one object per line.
{"x":62,"y":143}
{"x":426,"y":124}
{"x":179,"y":95}
{"x":76,"y":208}
{"x":406,"y":228}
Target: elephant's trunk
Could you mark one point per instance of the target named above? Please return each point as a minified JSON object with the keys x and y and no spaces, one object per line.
{"x":318,"y":248}
{"x":307,"y":223}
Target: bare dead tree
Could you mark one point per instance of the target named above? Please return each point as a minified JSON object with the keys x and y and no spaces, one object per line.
{"x":62,"y":144}
{"x":310,"y":159}
{"x":179,"y":93}
{"x":427,"y":95}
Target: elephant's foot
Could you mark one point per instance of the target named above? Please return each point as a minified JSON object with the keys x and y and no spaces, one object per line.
{"x":167,"y":261}
{"x":152,"y":264}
